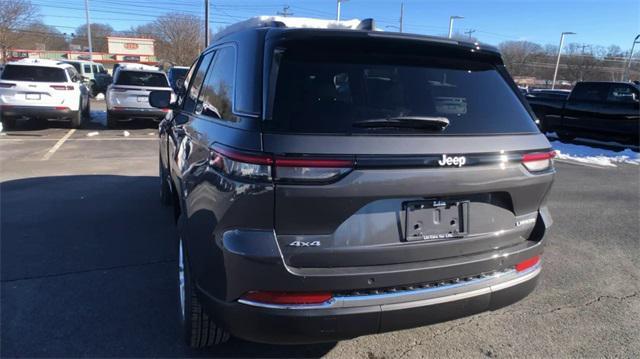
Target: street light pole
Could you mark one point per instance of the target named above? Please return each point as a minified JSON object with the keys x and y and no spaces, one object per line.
{"x":401,"y":15}
{"x":555,"y":72}
{"x":86,"y":12}
{"x":206,"y":23}
{"x":338,"y":9}
{"x":625,"y":76}
{"x":451,"y":18}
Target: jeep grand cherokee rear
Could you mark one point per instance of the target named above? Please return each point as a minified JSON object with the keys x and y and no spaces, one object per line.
{"x":372,"y":182}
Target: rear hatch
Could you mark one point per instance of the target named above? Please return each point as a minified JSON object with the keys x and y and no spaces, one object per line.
{"x":131,"y":88}
{"x":397,"y":150}
{"x":30,"y":85}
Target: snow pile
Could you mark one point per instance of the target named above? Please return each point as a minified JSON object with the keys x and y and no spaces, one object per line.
{"x":592,"y":155}
{"x":293,"y":22}
{"x":99,"y":97}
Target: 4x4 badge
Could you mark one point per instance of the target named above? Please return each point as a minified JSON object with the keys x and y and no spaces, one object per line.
{"x":452,"y":161}
{"x":304,"y":244}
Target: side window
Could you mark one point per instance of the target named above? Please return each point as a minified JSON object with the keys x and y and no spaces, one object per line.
{"x":622,"y":93}
{"x":87,"y":69}
{"x":95,"y":69}
{"x":590,"y":92}
{"x":72,"y":73}
{"x":216,"y":97}
{"x":193,"y":82}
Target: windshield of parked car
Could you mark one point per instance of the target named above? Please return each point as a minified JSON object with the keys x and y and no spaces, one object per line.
{"x":331,"y":93}
{"x":142,"y":78}
{"x":33,"y":73}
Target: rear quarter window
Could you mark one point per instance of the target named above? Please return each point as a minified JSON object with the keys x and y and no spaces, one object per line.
{"x":330,"y":95}
{"x":141,"y":78}
{"x":34,"y":73}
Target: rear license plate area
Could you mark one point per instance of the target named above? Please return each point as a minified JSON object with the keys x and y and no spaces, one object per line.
{"x":32,"y":96}
{"x":435,"y":220}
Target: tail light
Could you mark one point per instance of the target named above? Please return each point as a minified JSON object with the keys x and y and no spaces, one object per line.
{"x":62,"y":87}
{"x":526,"y":264}
{"x":61,"y":108}
{"x":241,"y":164}
{"x":536,"y":162}
{"x":288,"y":297}
{"x":282,"y":169}
{"x":6,"y":85}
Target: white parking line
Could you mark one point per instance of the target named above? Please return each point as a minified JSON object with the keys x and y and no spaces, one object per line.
{"x":58,"y":144}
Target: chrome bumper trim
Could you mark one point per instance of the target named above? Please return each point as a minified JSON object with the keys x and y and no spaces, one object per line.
{"x":419,"y":297}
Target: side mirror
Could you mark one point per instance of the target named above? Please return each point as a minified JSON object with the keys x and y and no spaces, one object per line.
{"x":160,"y":99}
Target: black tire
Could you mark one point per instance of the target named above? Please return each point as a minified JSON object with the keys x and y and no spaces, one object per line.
{"x":8,"y":123}
{"x":86,"y":112}
{"x":165,"y":190}
{"x":76,"y":117}
{"x":112,"y":122}
{"x":200,"y":330}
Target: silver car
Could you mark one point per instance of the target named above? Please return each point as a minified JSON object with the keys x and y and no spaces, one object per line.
{"x":128,"y":97}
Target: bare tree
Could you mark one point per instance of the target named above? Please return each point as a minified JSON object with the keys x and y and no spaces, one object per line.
{"x":518,"y":54}
{"x":99,"y":33}
{"x":40,"y":36}
{"x":14,"y":16}
{"x":179,"y":37}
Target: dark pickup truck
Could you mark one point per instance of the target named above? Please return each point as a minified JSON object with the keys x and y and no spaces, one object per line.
{"x":600,"y":110}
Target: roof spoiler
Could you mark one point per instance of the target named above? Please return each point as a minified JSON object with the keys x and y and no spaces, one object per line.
{"x":368,"y":24}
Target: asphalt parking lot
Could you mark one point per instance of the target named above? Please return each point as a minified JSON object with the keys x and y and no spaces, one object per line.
{"x":88,"y":261}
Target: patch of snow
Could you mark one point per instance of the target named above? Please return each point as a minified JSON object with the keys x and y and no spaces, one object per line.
{"x":94,"y":133}
{"x":592,"y":155}
{"x":1,"y":128}
{"x":99,"y":97}
{"x":126,"y":133}
{"x":151,"y":134}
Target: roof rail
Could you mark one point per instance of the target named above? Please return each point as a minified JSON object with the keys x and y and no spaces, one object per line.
{"x":295,"y":22}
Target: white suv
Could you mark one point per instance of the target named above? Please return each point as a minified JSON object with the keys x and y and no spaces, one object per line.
{"x":128,"y":97}
{"x":42,"y":89}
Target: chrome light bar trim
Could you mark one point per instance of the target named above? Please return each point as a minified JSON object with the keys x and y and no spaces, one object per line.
{"x":419,"y":297}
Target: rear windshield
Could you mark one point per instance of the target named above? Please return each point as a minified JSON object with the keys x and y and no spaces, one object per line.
{"x":320,"y":94}
{"x":141,"y":78}
{"x":33,"y":73}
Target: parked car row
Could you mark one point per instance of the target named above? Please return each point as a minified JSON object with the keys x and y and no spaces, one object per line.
{"x":601,"y":110}
{"x":60,"y":90}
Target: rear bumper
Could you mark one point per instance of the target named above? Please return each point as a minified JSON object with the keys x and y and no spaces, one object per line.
{"x":279,"y":325}
{"x":36,"y":111}
{"x":130,"y":113}
{"x":365,"y":298}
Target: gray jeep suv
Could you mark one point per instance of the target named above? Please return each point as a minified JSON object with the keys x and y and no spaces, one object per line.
{"x":331,"y":183}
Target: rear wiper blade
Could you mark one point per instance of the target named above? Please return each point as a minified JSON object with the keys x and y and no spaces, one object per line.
{"x":422,"y":122}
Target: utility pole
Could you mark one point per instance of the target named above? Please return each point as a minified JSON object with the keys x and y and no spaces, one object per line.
{"x":86,"y":12}
{"x":451,"y":18}
{"x":625,"y":75}
{"x":555,"y":72}
{"x":206,"y":23}
{"x":469,"y":32}
{"x":401,"y":15}
{"x":338,"y":9}
{"x":285,"y":11}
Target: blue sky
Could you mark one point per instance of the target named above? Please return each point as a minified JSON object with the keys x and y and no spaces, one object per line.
{"x":597,"y":22}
